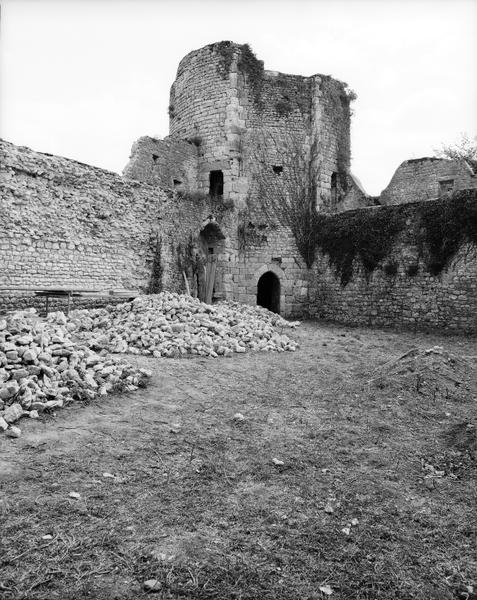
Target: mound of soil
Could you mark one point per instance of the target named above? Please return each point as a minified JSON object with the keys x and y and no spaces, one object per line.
{"x":434,"y":373}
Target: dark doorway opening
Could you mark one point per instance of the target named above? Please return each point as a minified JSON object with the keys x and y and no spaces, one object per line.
{"x":216,"y":184}
{"x":334,"y":189}
{"x":268,"y":292}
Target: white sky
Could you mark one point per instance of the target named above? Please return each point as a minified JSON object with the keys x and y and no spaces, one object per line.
{"x":85,"y":78}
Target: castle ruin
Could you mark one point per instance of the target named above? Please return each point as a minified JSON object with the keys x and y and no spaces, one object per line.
{"x":201,"y":209}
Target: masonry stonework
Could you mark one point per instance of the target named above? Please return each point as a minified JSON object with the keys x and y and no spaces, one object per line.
{"x":401,"y":292}
{"x":69,"y":225}
{"x":422,"y":179}
{"x":198,"y":193}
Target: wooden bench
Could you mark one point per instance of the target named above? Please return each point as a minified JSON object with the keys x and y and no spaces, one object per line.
{"x":70,"y":293}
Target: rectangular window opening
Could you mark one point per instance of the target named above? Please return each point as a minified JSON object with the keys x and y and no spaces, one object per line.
{"x":155,"y":157}
{"x":277,"y":169}
{"x":177,"y":183}
{"x":446,"y":187}
{"x":216,"y":183}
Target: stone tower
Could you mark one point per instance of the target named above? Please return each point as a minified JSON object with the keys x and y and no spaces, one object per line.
{"x":238,"y":134}
{"x":231,"y":120}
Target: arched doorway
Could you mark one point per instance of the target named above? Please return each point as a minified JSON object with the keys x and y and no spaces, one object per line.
{"x":268,"y":292}
{"x":212,"y":243}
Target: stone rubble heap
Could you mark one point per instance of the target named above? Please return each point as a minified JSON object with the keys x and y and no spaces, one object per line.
{"x":42,"y":368}
{"x":45,"y":364}
{"x":174,"y":325}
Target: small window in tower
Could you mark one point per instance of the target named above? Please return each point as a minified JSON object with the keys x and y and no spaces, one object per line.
{"x":216,"y":183}
{"x":446,"y":187}
{"x":177,"y":183}
{"x":211,"y":249}
{"x":277,"y":169}
{"x":155,"y":157}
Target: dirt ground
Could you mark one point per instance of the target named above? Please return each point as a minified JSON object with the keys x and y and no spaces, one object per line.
{"x":329,"y":483}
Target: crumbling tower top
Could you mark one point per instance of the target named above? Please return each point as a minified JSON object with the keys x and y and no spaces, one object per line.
{"x":223,"y":101}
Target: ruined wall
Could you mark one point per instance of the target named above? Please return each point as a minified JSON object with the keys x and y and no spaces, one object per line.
{"x":204,"y":109}
{"x":245,"y":119}
{"x":354,"y":196}
{"x":423,"y":179}
{"x":402,"y":291}
{"x":66,"y":224}
{"x":168,"y":163}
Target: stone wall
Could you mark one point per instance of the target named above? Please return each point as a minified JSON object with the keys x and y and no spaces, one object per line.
{"x":168,"y":163}
{"x":401,"y":292}
{"x":270,"y":135}
{"x":66,"y":224}
{"x":354,"y":196}
{"x":422,"y":179}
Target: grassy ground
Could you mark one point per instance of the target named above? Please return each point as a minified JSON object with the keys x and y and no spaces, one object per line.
{"x":198,"y":503}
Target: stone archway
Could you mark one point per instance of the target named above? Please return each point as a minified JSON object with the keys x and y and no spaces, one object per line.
{"x":211,"y":238}
{"x":268,"y":291}
{"x":209,"y":278}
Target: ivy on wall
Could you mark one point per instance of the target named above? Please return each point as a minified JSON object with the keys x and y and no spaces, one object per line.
{"x":446,"y":225}
{"x":249,"y":234}
{"x":367,"y":235}
{"x":188,"y":256}
{"x":225,"y":50}
{"x":249,"y":65}
{"x":441,"y":228}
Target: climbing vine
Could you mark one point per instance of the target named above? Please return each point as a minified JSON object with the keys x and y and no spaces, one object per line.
{"x":249,"y":234}
{"x":249,"y":65}
{"x":225,"y":50}
{"x":442,"y":228}
{"x":187,"y":256}
{"x":367,"y":235}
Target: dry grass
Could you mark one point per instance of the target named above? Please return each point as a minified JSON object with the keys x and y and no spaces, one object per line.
{"x":198,"y":503}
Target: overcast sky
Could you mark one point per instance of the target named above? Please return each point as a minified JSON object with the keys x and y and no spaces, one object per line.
{"x":85,"y":78}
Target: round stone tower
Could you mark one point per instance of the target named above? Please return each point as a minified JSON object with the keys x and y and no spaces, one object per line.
{"x":245,"y":120}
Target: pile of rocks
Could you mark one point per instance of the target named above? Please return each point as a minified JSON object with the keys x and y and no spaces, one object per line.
{"x":174,"y":325}
{"x":46,"y":364}
{"x":42,"y":368}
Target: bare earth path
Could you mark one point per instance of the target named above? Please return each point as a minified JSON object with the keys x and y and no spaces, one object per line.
{"x":198,"y":502}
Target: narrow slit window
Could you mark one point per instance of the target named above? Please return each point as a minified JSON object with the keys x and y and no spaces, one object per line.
{"x":277,"y":169}
{"x":334,"y":188}
{"x":216,"y":183}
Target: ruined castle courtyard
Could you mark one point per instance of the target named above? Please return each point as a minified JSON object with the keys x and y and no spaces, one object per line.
{"x":231,"y":373}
